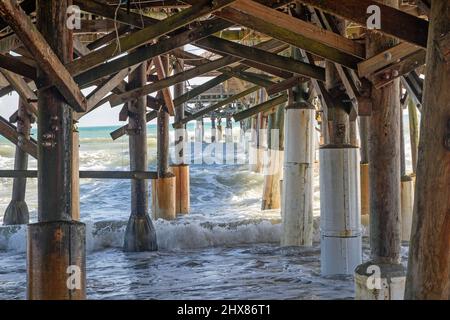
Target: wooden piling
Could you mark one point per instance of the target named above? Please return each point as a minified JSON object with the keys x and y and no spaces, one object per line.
{"x":364,"y":169}
{"x":384,"y":171}
{"x":273,"y":162}
{"x":17,"y":210}
{"x":164,"y":187}
{"x":140,"y":234}
{"x":56,"y":243}
{"x":179,"y":168}
{"x":429,"y":254}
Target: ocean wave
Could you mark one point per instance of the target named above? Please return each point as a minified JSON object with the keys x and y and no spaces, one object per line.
{"x":171,"y":235}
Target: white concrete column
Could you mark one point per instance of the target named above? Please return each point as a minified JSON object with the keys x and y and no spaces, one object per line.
{"x":297,"y":189}
{"x":340,"y":218}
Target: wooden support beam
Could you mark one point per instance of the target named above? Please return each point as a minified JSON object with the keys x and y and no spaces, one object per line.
{"x":268,"y":69}
{"x":15,"y":65}
{"x":262,"y":107}
{"x":250,"y":77}
{"x":345,"y":74}
{"x":386,"y":75}
{"x":146,"y":35}
{"x":319,"y":86}
{"x":86,"y":174}
{"x":290,"y":37}
{"x":9,"y":131}
{"x":414,"y":30}
{"x":264,"y":57}
{"x":216,"y":106}
{"x":301,"y":28}
{"x":284,"y":85}
{"x":165,"y":91}
{"x":385,"y":58}
{"x":46,"y":59}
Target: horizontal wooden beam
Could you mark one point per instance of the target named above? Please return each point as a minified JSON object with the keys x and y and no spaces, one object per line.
{"x":44,"y":56}
{"x":300,"y":28}
{"x":262,"y":107}
{"x":385,"y":58}
{"x":9,"y":131}
{"x":292,"y":38}
{"x":284,"y":85}
{"x":388,"y":74}
{"x":393,"y":21}
{"x":264,"y":57}
{"x":140,"y":175}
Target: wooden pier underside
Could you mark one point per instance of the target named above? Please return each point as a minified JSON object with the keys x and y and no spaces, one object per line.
{"x":246,"y":49}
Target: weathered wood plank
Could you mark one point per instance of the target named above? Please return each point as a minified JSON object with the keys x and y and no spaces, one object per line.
{"x":300,"y":27}
{"x":413,"y":29}
{"x":385,"y":58}
{"x":264,"y":57}
{"x":290,"y":37}
{"x":165,"y":91}
{"x":388,"y":74}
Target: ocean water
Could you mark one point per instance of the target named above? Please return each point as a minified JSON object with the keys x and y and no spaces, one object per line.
{"x":226,"y":248}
